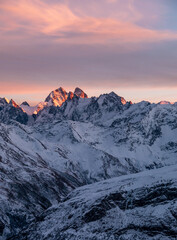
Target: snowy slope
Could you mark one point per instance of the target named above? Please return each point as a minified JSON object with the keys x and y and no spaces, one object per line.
{"x":28,"y":185}
{"x":138,"y":206}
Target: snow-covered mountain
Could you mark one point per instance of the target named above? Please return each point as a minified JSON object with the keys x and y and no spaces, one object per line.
{"x":71,"y":140}
{"x":93,"y":109}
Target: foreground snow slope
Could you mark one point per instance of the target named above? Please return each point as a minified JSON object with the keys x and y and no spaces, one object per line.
{"x":138,"y":206}
{"x":28,"y":185}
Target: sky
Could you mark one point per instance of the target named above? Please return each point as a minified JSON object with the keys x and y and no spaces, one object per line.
{"x":125,"y":46}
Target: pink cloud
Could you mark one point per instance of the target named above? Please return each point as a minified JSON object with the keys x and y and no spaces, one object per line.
{"x":58,"y":21}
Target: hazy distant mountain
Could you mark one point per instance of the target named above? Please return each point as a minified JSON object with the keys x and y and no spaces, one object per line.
{"x":126,"y":152}
{"x":25,"y":104}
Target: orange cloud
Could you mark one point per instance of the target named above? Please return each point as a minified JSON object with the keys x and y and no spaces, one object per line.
{"x":57,"y":21}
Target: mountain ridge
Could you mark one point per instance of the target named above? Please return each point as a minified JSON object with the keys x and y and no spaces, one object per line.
{"x":60,"y":167}
{"x":59,"y":96}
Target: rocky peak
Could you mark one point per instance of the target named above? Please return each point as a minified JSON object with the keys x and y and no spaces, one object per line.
{"x":114,"y":95}
{"x":110,"y":99}
{"x":57,"y":97}
{"x":13,"y":103}
{"x":123,"y":101}
{"x":10,"y":111}
{"x":80,"y":93}
{"x":70,"y":95}
{"x":25,"y":104}
{"x":4,"y":101}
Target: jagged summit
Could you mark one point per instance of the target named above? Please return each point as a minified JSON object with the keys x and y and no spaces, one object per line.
{"x":13,"y":103}
{"x":80,"y":93}
{"x":4,"y":101}
{"x":111,"y":98}
{"x":25,"y":104}
{"x":57,"y":97}
{"x":113,"y":94}
{"x":10,"y":111}
{"x":70,"y":95}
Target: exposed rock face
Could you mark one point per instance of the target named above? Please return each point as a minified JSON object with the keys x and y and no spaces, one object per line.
{"x":70,"y":95}
{"x":57,"y":97}
{"x":92,"y":109}
{"x":80,"y":93}
{"x":25,"y":104}
{"x":4,"y":101}
{"x":13,"y":103}
{"x":10,"y":111}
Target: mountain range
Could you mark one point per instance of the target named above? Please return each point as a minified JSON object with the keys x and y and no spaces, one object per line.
{"x":75,"y":167}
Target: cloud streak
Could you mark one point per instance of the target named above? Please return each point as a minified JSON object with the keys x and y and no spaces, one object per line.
{"x":37,"y":18}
